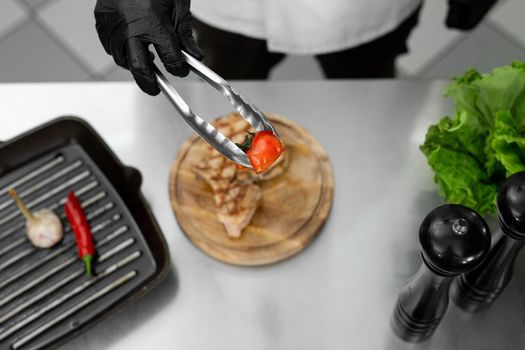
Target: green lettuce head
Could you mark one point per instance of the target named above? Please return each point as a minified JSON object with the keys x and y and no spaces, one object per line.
{"x":472,"y":153}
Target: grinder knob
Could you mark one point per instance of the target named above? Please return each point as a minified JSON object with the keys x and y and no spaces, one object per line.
{"x":453,"y":239}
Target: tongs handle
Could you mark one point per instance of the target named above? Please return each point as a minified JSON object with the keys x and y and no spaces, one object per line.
{"x":201,"y":126}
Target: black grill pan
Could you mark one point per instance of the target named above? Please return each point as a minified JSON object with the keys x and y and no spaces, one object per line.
{"x":45,"y":298}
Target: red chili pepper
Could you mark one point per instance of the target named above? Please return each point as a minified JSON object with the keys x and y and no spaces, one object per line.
{"x":80,"y":226}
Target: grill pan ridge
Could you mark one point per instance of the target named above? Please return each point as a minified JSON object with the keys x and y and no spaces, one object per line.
{"x":45,"y":298}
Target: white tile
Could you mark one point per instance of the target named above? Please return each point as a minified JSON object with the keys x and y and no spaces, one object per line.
{"x":429,"y":38}
{"x":73,"y":22}
{"x":11,"y":14}
{"x":29,"y":55}
{"x":509,"y":16}
{"x":484,"y":49}
{"x":297,"y":67}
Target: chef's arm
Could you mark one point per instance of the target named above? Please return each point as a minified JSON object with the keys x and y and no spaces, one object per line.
{"x":466,"y":14}
{"x":127,"y":28}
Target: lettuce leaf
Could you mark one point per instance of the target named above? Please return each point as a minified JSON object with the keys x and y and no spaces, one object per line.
{"x":462,"y":180}
{"x":472,"y":153}
{"x":455,"y":151}
{"x":508,"y":145}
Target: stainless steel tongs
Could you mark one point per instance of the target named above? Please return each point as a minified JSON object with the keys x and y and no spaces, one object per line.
{"x":207,"y":131}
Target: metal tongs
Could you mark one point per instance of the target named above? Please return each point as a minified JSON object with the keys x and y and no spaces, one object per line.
{"x":207,"y":131}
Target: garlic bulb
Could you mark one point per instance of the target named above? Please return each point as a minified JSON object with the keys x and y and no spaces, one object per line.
{"x":45,"y":230}
{"x":43,"y":227}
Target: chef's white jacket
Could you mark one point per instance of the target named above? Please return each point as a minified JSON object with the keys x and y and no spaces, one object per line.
{"x":306,"y":26}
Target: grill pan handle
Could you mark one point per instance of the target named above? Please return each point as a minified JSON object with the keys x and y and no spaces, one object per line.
{"x":133,"y":178}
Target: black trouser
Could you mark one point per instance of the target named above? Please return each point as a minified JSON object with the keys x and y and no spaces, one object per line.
{"x":235,"y":56}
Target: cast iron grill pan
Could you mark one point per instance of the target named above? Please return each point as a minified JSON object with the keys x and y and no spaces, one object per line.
{"x":45,"y":297}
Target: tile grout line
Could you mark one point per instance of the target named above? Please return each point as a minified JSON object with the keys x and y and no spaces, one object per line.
{"x":15,"y":27}
{"x":441,"y":54}
{"x":65,"y":48}
{"x":506,"y":34}
{"x":25,"y":3}
{"x":33,"y":16}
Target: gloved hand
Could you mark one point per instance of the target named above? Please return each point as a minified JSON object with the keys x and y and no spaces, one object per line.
{"x":466,"y":14}
{"x":126,"y":28}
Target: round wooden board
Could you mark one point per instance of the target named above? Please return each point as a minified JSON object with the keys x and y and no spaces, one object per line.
{"x":293,"y":208}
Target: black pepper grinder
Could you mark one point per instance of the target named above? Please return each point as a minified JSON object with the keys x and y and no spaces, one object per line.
{"x":477,"y":289}
{"x":453,"y":239}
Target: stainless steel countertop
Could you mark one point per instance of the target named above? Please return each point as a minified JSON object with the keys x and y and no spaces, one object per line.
{"x":337,"y":294}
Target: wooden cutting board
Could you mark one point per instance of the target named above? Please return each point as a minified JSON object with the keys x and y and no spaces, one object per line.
{"x":293,"y":208}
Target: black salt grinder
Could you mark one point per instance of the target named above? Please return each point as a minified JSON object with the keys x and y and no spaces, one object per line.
{"x":477,"y":289}
{"x":453,"y":239}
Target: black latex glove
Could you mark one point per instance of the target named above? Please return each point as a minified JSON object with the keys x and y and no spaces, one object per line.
{"x":466,"y":14}
{"x":126,"y":28}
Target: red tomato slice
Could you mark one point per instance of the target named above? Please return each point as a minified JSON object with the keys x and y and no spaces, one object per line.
{"x":265,"y":150}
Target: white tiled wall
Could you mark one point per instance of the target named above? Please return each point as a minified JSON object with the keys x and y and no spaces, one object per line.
{"x":459,"y":58}
{"x":12,"y":13}
{"x":73,"y":21}
{"x":55,"y":40}
{"x":28,"y":54}
{"x":510,"y":17}
{"x":430,"y":38}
